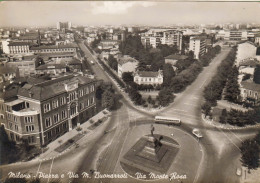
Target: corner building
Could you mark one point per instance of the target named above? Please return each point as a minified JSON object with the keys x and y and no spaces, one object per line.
{"x":43,"y":112}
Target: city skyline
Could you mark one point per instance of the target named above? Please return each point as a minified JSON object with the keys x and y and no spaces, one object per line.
{"x":27,"y":13}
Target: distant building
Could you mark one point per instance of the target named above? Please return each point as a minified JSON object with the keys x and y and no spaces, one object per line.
{"x":250,"y":91}
{"x":257,"y":39}
{"x":198,"y":46}
{"x":173,"y":59}
{"x":54,"y":48}
{"x":155,"y":37}
{"x":235,"y":35}
{"x":148,"y":77}
{"x":42,"y":112}
{"x":63,"y":25}
{"x":13,"y":48}
{"x":52,"y":69}
{"x":126,"y":64}
{"x":245,"y":50}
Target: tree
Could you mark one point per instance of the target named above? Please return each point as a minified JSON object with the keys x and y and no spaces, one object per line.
{"x":206,"y":108}
{"x":168,"y":74}
{"x":127,"y":77}
{"x":149,"y":99}
{"x":108,"y":99}
{"x":223,"y":117}
{"x":112,"y":62}
{"x":250,"y":154}
{"x":165,"y":97}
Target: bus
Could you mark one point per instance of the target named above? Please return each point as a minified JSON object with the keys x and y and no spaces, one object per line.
{"x":167,"y":120}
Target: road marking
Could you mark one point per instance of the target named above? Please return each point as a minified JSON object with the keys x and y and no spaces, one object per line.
{"x":229,"y":139}
{"x":236,"y":136}
{"x":203,"y":83}
{"x":38,"y":169}
{"x":50,"y":169}
{"x":191,"y":104}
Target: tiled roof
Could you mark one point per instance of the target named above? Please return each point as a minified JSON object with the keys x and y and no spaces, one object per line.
{"x":51,"y":66}
{"x":49,"y":89}
{"x":250,"y":85}
{"x":126,"y":59}
{"x":55,"y":46}
{"x":177,"y":57}
{"x":148,"y":74}
{"x":18,"y":44}
{"x":249,"y":62}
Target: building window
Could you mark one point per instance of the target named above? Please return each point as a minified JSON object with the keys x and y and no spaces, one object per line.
{"x":47,"y":107}
{"x":17,"y":138}
{"x":55,"y":118}
{"x":86,"y":90}
{"x":63,"y":114}
{"x":65,"y":125}
{"x":57,"y":130}
{"x":55,"y":104}
{"x":47,"y":122}
{"x":15,"y":119}
{"x":9,"y":116}
{"x":87,"y":103}
{"x":72,"y":96}
{"x":31,"y":139}
{"x":49,"y":134}
{"x":10,"y":125}
{"x":28,"y":119}
{"x":81,"y":93}
{"x":81,"y":106}
{"x":92,"y":100}
{"x":16,"y":127}
{"x":73,"y":109}
{"x":62,"y":100}
{"x":29,"y":128}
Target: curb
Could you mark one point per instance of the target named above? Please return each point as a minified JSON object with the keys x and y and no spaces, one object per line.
{"x":222,"y":126}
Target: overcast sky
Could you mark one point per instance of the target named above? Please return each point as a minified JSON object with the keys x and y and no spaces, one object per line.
{"x":28,"y":13}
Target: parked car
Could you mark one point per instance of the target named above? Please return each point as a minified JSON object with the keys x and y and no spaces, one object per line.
{"x":197,"y":133}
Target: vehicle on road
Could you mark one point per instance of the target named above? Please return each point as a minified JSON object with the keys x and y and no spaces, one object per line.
{"x":167,"y":120}
{"x":197,"y":133}
{"x":92,"y":62}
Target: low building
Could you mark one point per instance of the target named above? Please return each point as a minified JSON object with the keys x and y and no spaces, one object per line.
{"x":173,"y":59}
{"x":54,"y":48}
{"x":245,"y":50}
{"x":52,"y":69}
{"x":42,"y":112}
{"x":250,"y":91}
{"x":61,"y":55}
{"x":248,"y":66}
{"x":126,"y":64}
{"x":148,"y":78}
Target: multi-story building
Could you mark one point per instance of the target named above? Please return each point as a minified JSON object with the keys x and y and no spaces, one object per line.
{"x":54,"y":48}
{"x":44,"y":111}
{"x":235,"y":35}
{"x":10,"y":47}
{"x":155,"y":37}
{"x":257,"y":39}
{"x":198,"y":46}
{"x":148,"y":77}
{"x":126,"y":64}
{"x":63,"y":25}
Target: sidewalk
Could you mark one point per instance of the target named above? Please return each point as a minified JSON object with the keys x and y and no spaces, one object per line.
{"x":227,"y":126}
{"x":74,"y":133}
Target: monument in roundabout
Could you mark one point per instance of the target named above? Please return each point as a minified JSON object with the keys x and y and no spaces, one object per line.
{"x":153,"y":153}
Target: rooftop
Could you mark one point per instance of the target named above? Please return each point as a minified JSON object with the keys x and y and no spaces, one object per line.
{"x":51,"y":66}
{"x":55,"y":46}
{"x":18,"y":44}
{"x":250,"y":85}
{"x":125,"y":59}
{"x":177,"y":57}
{"x":53,"y":87}
{"x":148,"y":74}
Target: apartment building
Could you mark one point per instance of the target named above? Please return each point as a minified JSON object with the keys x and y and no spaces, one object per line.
{"x":154,"y":37}
{"x":126,"y":64}
{"x":198,"y":46}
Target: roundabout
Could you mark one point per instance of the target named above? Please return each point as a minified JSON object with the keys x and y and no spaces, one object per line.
{"x":177,"y":157}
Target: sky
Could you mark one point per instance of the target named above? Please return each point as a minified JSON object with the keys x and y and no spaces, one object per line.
{"x":43,"y":13}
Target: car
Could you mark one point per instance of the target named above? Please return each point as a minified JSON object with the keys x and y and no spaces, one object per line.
{"x":197,"y":133}
{"x":91,"y":61}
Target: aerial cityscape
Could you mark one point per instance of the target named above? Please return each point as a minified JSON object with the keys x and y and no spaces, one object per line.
{"x":136,"y":91}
